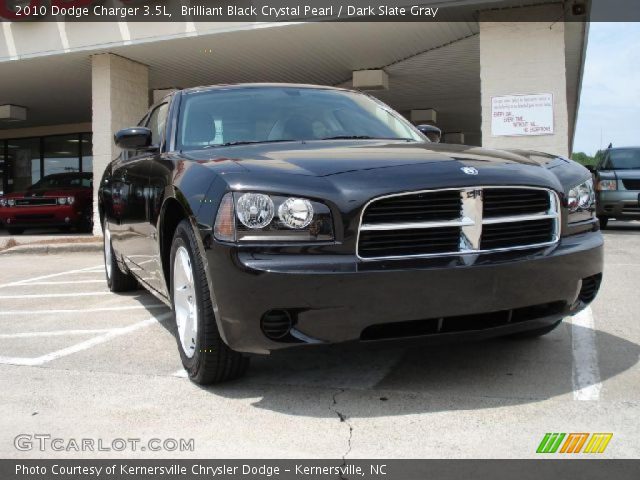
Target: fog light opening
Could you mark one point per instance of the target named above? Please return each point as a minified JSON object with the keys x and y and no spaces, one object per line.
{"x":276,"y":324}
{"x":589,"y":288}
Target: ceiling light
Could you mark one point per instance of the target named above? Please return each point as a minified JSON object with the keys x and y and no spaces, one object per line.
{"x":13,"y":113}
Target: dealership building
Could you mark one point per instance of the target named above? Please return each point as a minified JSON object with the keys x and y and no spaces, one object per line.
{"x":66,"y":87}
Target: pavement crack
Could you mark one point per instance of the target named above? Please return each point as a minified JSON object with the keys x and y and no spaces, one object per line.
{"x":343,"y":419}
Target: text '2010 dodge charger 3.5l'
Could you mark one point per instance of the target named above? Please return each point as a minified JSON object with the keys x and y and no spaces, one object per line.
{"x":274,"y":216}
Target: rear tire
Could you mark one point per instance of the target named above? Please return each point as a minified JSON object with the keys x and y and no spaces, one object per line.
{"x":85,"y":225}
{"x":117,"y":280}
{"x":15,"y":231}
{"x":205,"y":356}
{"x":604,"y":221}
{"x":539,"y":332}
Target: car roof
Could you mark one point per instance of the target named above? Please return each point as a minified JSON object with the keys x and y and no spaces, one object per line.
{"x":226,"y":86}
{"x":69,"y":174}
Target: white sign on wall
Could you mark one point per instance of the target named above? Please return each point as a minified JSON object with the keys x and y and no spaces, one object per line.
{"x":513,"y":115}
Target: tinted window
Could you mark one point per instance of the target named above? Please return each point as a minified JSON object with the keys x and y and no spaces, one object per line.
{"x":61,"y":154}
{"x":24,"y":155}
{"x":261,"y":114}
{"x":156,"y":123}
{"x":624,"y":159}
{"x":63,"y":181}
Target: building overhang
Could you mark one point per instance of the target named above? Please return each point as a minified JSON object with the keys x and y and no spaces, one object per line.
{"x":430,"y":65}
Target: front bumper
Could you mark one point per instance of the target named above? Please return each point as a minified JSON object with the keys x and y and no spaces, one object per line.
{"x":337,"y":299}
{"x":41,"y":216}
{"x":619,"y":204}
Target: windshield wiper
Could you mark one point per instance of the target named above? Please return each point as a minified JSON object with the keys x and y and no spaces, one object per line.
{"x":248,"y":142}
{"x":365,"y":137}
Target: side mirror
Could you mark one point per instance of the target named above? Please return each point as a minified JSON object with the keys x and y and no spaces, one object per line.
{"x":133,"y":138}
{"x":431,"y":132}
{"x":591,"y":168}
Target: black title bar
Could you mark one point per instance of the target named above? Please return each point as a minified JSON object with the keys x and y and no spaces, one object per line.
{"x":318,"y":469}
{"x":319,"y":10}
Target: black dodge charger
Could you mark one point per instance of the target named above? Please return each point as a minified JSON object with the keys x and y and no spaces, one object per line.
{"x":271,"y":216}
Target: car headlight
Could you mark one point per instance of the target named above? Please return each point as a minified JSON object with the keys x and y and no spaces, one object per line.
{"x":66,"y":200}
{"x":255,"y":210}
{"x":296,"y":212}
{"x":11,"y":202}
{"x":581,"y":198}
{"x":607,"y":185}
{"x":3,"y":202}
{"x":258,"y":217}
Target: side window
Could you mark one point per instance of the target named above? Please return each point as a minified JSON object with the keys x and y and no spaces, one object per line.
{"x":157,"y":122}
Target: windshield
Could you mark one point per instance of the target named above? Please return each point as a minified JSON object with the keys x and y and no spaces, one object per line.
{"x":623,"y":159}
{"x":62,"y":181}
{"x":271,"y":114}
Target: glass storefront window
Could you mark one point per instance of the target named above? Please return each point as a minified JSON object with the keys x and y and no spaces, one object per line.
{"x":24,"y":158}
{"x":24,"y":161}
{"x":61,"y":154}
{"x":3,"y":186}
{"x":87,"y":152}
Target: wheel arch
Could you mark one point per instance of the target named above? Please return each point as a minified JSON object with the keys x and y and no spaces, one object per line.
{"x":172,"y":213}
{"x":175,"y":209}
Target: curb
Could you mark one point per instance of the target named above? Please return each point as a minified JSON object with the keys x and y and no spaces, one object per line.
{"x":53,"y":248}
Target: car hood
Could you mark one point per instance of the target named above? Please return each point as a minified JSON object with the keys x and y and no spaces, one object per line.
{"x":57,"y":192}
{"x":380,"y":167}
{"x":326,"y":158}
{"x":630,"y":174}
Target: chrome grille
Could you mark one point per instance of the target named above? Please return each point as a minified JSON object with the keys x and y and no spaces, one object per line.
{"x":512,"y":234}
{"x":442,"y":205}
{"x":410,"y":242}
{"x":35,"y":201}
{"x":458,"y":221}
{"x":498,"y":202}
{"x":631,"y":183}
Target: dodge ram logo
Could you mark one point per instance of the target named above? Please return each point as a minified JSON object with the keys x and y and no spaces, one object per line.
{"x":469,"y":170}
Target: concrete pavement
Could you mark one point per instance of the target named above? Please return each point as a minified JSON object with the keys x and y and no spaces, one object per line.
{"x":79,"y":362}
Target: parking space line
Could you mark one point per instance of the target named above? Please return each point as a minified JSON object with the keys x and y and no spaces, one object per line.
{"x":44,"y":277}
{"x":54,"y":333}
{"x":84,"y":310}
{"x":63,"y":282}
{"x":55,"y":295}
{"x":79,"y":347}
{"x":182,"y":373}
{"x":18,"y":361}
{"x":586,"y":371}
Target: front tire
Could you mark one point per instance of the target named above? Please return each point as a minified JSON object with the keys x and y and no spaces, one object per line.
{"x":205,"y":356}
{"x":604,"y":221}
{"x":117,"y":280}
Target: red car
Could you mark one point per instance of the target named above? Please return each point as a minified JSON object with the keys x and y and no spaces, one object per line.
{"x":62,"y":200}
